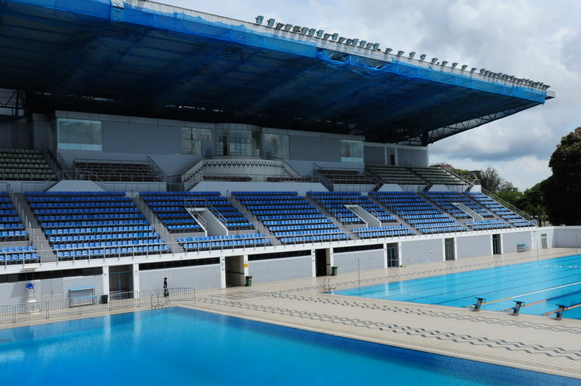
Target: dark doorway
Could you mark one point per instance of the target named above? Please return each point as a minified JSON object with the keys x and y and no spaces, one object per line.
{"x":449,"y":249}
{"x":392,"y":255}
{"x":496,"y":245}
{"x":321,"y":263}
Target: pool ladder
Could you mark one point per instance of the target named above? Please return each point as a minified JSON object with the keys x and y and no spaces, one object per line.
{"x":329,"y":285}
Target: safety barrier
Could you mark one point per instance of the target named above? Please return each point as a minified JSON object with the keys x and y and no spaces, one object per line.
{"x":91,"y":304}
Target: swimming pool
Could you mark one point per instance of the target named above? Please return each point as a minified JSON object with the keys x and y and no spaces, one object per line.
{"x":182,"y":346}
{"x":542,"y":285}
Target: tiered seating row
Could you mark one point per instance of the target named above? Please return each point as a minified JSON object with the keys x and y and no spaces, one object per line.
{"x":170,"y":208}
{"x":395,"y":175}
{"x":93,"y":224}
{"x":345,"y":176}
{"x":117,"y":171}
{"x":384,"y":231}
{"x":446,"y":199}
{"x":290,"y":217}
{"x":336,"y":203}
{"x":21,"y":164}
{"x":223,"y":241}
{"x":436,"y":175}
{"x":499,"y":209}
{"x":11,"y":227}
{"x":110,"y":251}
{"x":18,"y":255}
{"x":419,"y":213}
{"x":490,"y":224}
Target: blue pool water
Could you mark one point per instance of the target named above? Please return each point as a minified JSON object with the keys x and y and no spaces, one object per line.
{"x":177,"y":346}
{"x":542,"y":285}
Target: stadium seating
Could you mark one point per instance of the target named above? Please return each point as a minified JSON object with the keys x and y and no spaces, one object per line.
{"x":419,"y":213}
{"x":170,"y":208}
{"x":222,"y":242}
{"x":290,"y":217}
{"x":11,"y":226}
{"x":18,"y":255}
{"x":337,"y":204}
{"x":112,"y":171}
{"x":436,"y":175}
{"x":395,"y":175}
{"x":508,"y":215}
{"x":23,"y":164}
{"x":93,"y":224}
{"x":346,"y":176}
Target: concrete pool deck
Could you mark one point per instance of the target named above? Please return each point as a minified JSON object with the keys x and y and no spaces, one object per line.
{"x":538,"y":343}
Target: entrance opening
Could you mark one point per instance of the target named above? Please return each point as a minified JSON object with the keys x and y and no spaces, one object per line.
{"x":322,"y":263}
{"x":392,"y":255}
{"x":449,"y":249}
{"x":496,"y":245}
{"x":121,"y":282}
{"x":235,"y":271}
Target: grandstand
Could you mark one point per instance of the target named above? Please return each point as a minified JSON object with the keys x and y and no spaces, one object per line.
{"x":144,"y":141}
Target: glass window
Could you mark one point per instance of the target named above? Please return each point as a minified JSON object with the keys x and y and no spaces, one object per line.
{"x":79,"y":134}
{"x":351,"y":151}
{"x":278,"y":144}
{"x":192,"y":139}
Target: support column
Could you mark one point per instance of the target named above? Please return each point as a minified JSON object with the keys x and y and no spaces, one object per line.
{"x":105,"y":280}
{"x":136,"y":284}
{"x":222,"y":272}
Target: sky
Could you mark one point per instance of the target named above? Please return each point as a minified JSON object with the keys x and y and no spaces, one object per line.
{"x":533,"y":39}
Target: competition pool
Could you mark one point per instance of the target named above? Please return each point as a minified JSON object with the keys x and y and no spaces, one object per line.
{"x":178,"y":346}
{"x":542,"y":285}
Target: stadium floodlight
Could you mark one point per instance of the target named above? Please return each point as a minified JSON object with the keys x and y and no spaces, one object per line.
{"x":311,"y":32}
{"x":326,"y":36}
{"x":434,"y":60}
{"x":342,"y":39}
{"x":259,"y":19}
{"x":454,"y":64}
{"x":375,"y":47}
{"x":422,"y":57}
{"x":412,"y":54}
{"x":482,"y":71}
{"x":304,"y":30}
{"x":400,"y":53}
{"x":334,"y":36}
{"x":444,"y":62}
{"x":320,"y":33}
{"x":388,"y":50}
{"x":279,"y":25}
{"x":287,"y":27}
{"x":270,"y":22}
{"x":349,"y":41}
{"x":362,"y":43}
{"x":355,"y":41}
{"x":369,"y":45}
{"x":296,"y":29}
{"x":473,"y":69}
{"x":464,"y":66}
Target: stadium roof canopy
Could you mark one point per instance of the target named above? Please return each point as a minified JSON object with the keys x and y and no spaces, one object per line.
{"x":148,"y":59}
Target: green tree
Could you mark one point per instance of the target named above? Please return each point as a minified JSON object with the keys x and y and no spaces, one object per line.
{"x":562,"y":190}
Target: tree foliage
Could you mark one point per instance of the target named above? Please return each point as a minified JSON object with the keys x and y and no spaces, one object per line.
{"x":562,"y":190}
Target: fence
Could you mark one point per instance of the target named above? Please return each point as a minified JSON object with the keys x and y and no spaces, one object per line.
{"x":87,"y":304}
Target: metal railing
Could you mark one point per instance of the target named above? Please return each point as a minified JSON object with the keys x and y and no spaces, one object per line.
{"x":105,"y":303}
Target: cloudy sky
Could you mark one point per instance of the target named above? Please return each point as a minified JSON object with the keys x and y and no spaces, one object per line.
{"x":534,"y":39}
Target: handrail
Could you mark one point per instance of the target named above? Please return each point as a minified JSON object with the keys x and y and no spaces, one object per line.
{"x":516,"y":210}
{"x":160,"y":174}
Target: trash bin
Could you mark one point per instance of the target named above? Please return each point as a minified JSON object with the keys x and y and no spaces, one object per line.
{"x":104,"y":299}
{"x":333,"y":271}
{"x":248,"y":281}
